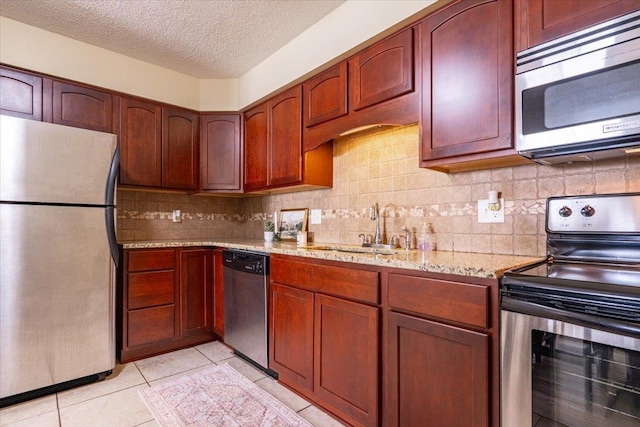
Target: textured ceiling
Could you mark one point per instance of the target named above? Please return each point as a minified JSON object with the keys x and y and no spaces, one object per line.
{"x":200,"y":38}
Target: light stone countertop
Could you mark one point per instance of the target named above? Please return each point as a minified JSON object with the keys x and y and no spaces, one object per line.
{"x":460,"y":263}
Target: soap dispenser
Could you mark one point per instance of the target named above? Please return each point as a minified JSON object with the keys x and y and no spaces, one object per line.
{"x":426,"y":240}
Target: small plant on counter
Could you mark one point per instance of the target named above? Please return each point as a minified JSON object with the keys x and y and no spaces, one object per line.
{"x":269,"y":228}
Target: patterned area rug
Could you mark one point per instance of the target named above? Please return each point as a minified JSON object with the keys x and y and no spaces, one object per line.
{"x":217,"y":396}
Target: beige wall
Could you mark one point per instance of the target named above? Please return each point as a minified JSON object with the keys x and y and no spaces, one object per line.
{"x":382,"y":166}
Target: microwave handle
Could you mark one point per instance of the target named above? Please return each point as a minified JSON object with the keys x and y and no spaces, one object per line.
{"x":594,"y":322}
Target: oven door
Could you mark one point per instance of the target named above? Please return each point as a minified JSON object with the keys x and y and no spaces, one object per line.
{"x":556,"y":372}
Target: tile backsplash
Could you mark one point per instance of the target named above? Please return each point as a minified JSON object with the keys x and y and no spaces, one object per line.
{"x":382,"y":166}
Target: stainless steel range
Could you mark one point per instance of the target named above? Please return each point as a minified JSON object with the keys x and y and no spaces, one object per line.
{"x":570,"y":326}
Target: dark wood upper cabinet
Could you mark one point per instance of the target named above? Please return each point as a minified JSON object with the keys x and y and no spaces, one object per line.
{"x":158,"y":146}
{"x":82,"y":107}
{"x":467,"y":84}
{"x":220,"y":152}
{"x":256,"y":147}
{"x":20,"y":94}
{"x":140,"y":143}
{"x":325,"y":95}
{"x":195,"y":289}
{"x":179,"y":149}
{"x":539,"y":21}
{"x":376,"y":86}
{"x":285,"y":138}
{"x":382,"y":72}
{"x":273,"y":156}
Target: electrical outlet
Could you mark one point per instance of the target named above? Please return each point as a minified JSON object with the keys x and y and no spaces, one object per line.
{"x":316,"y":216}
{"x":486,"y":215}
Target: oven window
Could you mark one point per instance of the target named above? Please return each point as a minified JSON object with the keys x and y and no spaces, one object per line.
{"x":579,"y":383}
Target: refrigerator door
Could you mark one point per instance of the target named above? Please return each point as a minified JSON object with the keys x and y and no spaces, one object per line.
{"x":56,"y":296}
{"x":47,"y":163}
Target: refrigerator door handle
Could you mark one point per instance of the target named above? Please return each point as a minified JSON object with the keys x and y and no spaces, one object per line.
{"x":111,"y":234}
{"x":110,"y":210}
{"x":110,"y":190}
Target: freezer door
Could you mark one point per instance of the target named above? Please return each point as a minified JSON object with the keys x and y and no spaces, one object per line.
{"x":56,"y":296}
{"x":48,"y":163}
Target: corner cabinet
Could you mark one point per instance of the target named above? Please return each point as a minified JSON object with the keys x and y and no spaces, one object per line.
{"x":164,"y":301}
{"x":220,"y":152}
{"x":467,"y":86}
{"x":158,"y":146}
{"x":324,"y":335}
{"x":273,"y":156}
{"x":540,"y":21}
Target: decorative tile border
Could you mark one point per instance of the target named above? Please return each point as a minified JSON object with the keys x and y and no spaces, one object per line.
{"x":518,"y":207}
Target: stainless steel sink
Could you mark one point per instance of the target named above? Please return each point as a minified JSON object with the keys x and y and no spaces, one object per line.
{"x":354,"y":249}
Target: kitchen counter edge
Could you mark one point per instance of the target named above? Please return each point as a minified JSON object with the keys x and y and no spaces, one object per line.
{"x":471,"y":264}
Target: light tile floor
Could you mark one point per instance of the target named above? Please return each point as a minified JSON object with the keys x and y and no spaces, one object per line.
{"x":115,"y":402}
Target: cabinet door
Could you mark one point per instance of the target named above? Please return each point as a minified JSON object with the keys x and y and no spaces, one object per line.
{"x":220,"y":152}
{"x":382,"y":72}
{"x":140,"y":143}
{"x":291,"y":336}
{"x":467,"y":79}
{"x":285,"y":137}
{"x":256,"y":149}
{"x":218,"y":293}
{"x":539,"y":21}
{"x":346,"y":358}
{"x":437,"y":374}
{"x":179,"y":149}
{"x":20,"y":94}
{"x":82,"y":107}
{"x":195,"y":288}
{"x":325,"y":95}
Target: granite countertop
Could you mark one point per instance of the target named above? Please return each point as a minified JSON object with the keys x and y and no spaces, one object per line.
{"x":460,"y":263}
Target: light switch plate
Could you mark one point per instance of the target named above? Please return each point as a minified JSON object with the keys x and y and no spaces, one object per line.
{"x":485,"y":215}
{"x":316,"y":216}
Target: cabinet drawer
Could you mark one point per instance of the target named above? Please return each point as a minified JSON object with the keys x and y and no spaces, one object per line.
{"x":151,"y":289}
{"x":150,"y":325}
{"x":455,"y":301}
{"x":344,"y":282}
{"x":163,"y":259}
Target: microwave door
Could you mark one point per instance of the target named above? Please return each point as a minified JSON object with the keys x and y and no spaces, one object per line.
{"x":591,"y":101}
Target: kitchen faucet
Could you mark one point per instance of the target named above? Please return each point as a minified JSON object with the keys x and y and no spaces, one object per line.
{"x":374,"y":214}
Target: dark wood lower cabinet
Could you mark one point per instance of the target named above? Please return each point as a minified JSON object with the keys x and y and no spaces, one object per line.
{"x":164,"y":301}
{"x":218,"y":293}
{"x":291,"y":336}
{"x":346,"y":358}
{"x":438,"y":374}
{"x":324,"y":335}
{"x":196,"y":289}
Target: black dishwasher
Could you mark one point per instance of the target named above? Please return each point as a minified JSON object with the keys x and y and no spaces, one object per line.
{"x":245,"y":305}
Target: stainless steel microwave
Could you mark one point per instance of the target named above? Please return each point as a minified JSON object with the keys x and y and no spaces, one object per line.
{"x":578,"y":97}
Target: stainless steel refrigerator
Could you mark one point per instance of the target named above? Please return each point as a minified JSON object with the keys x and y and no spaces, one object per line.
{"x":58,"y":256}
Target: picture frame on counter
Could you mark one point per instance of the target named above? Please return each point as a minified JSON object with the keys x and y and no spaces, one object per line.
{"x":292,"y":221}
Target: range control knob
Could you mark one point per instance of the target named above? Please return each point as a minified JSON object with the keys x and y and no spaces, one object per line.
{"x":565,"y":212}
{"x":587,"y":211}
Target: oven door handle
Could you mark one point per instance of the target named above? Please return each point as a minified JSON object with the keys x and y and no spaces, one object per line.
{"x":596,"y":322}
